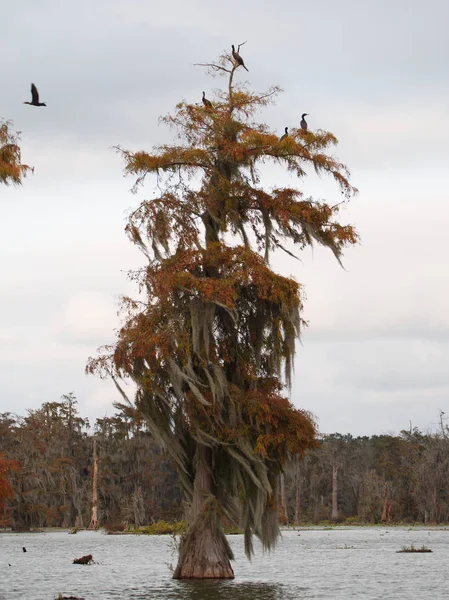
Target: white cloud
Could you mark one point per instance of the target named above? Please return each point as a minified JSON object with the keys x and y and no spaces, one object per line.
{"x":86,"y":318}
{"x":374,"y":354}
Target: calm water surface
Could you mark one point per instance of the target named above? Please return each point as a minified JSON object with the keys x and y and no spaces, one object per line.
{"x":344,"y":563}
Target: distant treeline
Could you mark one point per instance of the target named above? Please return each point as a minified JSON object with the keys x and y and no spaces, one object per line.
{"x":382,"y":478}
{"x":52,"y":486}
{"x":374,"y":479}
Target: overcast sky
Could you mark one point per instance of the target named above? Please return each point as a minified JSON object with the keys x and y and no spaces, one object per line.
{"x":376,"y":353}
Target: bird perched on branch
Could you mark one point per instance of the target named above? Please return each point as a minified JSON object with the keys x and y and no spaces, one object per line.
{"x":285,"y":135}
{"x":238,"y":59}
{"x":35,"y":97}
{"x":207,"y":103}
{"x":304,"y":122}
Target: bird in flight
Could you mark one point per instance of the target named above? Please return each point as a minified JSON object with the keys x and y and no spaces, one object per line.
{"x":238,"y":59}
{"x":35,"y":97}
{"x":304,"y":122}
{"x":207,"y":103}
{"x":285,"y":135}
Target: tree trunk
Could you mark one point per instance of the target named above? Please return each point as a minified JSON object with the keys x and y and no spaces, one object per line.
{"x":385,"y":509}
{"x":77,"y":502}
{"x":434,"y":507}
{"x":94,"y":516}
{"x":334,"y":515}
{"x":283,"y":502}
{"x":67,"y":521}
{"x":204,"y":552}
{"x":297,"y":493}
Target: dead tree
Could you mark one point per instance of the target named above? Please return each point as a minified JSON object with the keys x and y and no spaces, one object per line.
{"x":334,"y":515}
{"x":94,"y":516}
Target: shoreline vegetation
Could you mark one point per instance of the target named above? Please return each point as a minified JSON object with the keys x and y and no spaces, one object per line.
{"x":411,"y":549}
{"x":175,"y":528}
{"x":373,"y":480}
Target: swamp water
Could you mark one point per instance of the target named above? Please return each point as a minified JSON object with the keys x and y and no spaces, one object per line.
{"x":344,"y":563}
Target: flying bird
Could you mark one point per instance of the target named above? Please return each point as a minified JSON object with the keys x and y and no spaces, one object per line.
{"x":304,"y":122}
{"x":238,"y":59}
{"x":24,"y":549}
{"x":285,"y":135}
{"x":35,"y":97}
{"x":207,"y":103}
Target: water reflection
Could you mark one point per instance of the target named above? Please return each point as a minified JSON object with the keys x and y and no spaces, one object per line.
{"x":225,"y":590}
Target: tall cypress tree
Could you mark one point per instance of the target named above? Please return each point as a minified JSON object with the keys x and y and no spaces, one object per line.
{"x":211,"y":346}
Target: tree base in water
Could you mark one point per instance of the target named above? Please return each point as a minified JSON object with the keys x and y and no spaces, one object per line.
{"x":204,"y":553}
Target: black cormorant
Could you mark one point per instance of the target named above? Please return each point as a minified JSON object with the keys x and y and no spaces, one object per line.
{"x":285,"y":135}
{"x":238,"y":59}
{"x":35,"y":97}
{"x":304,"y":122}
{"x":207,"y":103}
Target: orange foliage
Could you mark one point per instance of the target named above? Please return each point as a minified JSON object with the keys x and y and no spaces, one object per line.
{"x":273,"y":426}
{"x":6,"y":492}
{"x":11,"y":169}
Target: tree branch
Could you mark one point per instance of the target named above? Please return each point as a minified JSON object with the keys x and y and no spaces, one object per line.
{"x":258,"y":98}
{"x":212,"y":66}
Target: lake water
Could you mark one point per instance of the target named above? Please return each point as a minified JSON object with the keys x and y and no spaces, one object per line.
{"x":342,"y":563}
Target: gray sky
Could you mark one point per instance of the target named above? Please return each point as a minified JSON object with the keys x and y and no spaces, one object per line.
{"x":376,"y":352}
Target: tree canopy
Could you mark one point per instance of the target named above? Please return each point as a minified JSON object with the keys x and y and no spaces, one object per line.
{"x":6,"y":491}
{"x":12,"y":170}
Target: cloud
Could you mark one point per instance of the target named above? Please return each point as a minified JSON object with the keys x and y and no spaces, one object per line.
{"x":369,"y":388}
{"x":392,"y":365}
{"x":87,"y":317}
{"x":373,"y":355}
{"x":97,"y":397}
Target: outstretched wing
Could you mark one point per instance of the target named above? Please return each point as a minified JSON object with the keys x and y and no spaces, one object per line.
{"x":34,"y":94}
